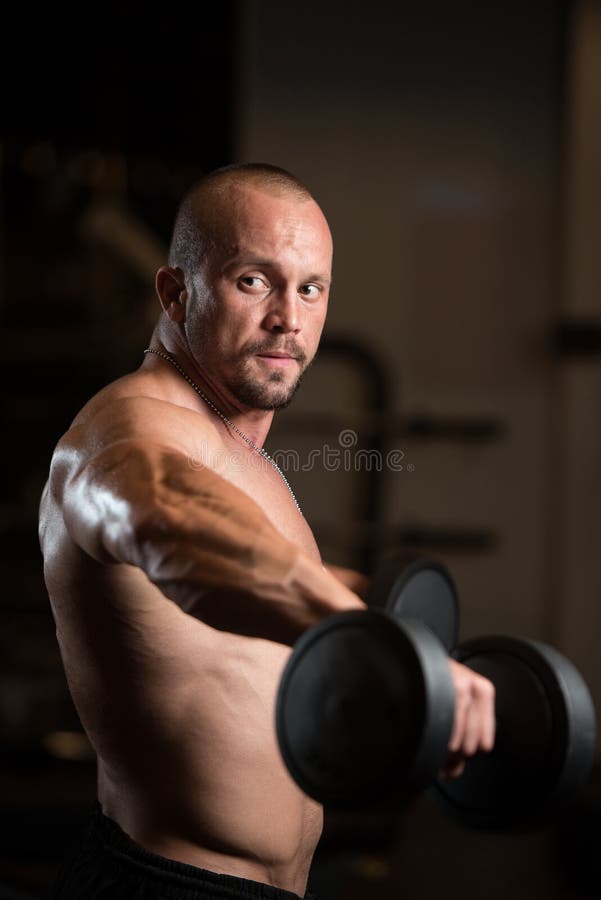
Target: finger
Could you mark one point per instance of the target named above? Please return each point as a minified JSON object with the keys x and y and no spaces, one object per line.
{"x":453,"y":766}
{"x":487,"y":692}
{"x":462,"y":702}
{"x":480,"y":720}
{"x":472,"y":729}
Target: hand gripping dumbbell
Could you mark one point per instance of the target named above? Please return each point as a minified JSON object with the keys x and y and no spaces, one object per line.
{"x":365,"y":710}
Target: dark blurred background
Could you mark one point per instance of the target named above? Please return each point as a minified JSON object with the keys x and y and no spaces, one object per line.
{"x":456,"y":150}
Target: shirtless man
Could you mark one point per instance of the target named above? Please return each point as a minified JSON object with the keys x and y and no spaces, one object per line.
{"x":181,"y":571}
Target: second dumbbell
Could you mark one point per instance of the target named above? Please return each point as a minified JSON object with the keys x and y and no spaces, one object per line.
{"x":365,"y":710}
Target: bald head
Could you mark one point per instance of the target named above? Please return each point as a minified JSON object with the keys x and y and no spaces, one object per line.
{"x":255,"y":253}
{"x":204,"y":214}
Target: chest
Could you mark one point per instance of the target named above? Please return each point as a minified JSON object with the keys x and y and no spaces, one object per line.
{"x":268,"y":487}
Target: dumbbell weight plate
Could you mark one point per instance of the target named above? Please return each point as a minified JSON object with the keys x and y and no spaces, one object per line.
{"x":364,"y":710}
{"x":423,"y":591}
{"x":545,"y":737}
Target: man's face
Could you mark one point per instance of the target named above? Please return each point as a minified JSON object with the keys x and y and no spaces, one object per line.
{"x":260,"y":301}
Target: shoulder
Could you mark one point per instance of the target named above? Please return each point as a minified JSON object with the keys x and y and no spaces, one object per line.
{"x":146,"y":406}
{"x":136,"y":408}
{"x":144,"y":390}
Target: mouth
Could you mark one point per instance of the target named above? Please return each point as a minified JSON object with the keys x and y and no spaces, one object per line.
{"x":275,"y":358}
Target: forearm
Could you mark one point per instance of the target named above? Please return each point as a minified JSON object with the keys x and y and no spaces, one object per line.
{"x":202,"y":541}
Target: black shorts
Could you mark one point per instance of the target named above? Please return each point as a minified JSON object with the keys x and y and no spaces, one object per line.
{"x":109,"y":865}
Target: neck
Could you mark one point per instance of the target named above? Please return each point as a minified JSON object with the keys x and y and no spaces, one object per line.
{"x":161,"y":354}
{"x":252,"y":424}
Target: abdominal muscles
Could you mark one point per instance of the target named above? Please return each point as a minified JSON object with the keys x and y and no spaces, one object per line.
{"x":182,"y":718}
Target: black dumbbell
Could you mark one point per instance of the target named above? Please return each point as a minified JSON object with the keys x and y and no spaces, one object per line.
{"x":422,"y":591}
{"x":545,"y":742}
{"x":365,"y":709}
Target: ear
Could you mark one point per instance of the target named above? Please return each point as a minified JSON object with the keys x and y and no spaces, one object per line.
{"x":171,"y":289}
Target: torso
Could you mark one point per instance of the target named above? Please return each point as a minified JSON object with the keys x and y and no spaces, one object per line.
{"x":182,"y":715}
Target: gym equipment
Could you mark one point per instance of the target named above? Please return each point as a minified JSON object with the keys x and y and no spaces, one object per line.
{"x":365,"y":709}
{"x":423,"y":591}
{"x":545,"y":741}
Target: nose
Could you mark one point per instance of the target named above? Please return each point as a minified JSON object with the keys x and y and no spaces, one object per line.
{"x":283,"y":315}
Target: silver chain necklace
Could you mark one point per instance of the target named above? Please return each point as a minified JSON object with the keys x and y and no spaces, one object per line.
{"x":230,"y":424}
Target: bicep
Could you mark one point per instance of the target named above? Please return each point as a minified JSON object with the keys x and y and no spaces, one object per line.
{"x":129,"y":494}
{"x":136,"y":497}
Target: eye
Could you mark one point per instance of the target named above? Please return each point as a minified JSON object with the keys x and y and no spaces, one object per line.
{"x":312,"y":291}
{"x":252,"y":283}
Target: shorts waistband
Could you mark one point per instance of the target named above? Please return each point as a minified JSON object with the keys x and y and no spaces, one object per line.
{"x":118,"y":843}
